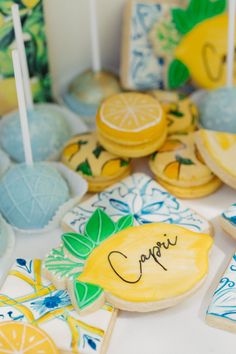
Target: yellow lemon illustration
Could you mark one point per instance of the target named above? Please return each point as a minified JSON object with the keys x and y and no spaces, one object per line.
{"x":24,"y":338}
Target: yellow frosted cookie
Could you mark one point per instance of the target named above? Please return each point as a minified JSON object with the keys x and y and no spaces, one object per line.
{"x":219,"y":151}
{"x":178,"y":165}
{"x":131,"y":119}
{"x":24,"y":338}
{"x":181,"y":112}
{"x":84,"y":154}
{"x":135,"y":268}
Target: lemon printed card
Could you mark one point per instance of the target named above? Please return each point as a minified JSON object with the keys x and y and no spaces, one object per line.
{"x":28,"y":297}
{"x":139,"y":196}
{"x":32,"y":19}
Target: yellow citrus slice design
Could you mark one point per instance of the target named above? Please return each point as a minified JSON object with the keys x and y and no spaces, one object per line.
{"x":222,"y":148}
{"x":131,"y":112}
{"x":24,"y":338}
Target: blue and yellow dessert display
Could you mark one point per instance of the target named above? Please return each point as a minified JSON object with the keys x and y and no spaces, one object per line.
{"x":85,"y":155}
{"x":31,"y":195}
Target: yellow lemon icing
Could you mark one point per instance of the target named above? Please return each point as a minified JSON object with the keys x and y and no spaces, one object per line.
{"x":221,"y":147}
{"x":149,"y":263}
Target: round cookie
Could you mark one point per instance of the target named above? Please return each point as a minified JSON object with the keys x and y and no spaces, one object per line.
{"x":179,"y":167}
{"x":116,"y":265}
{"x":129,"y":121}
{"x":24,"y":338}
{"x":218,"y":150}
{"x":84,"y":154}
{"x":181,"y":112}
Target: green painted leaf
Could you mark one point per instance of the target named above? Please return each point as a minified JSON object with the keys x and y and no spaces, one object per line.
{"x":124,"y":222}
{"x":99,"y":227}
{"x":176,"y":113}
{"x":97,"y":152}
{"x":197,"y":11}
{"x":86,"y":294}
{"x":60,"y":265}
{"x":85,"y":168}
{"x":184,"y":161}
{"x":79,"y":246}
{"x":178,"y":74}
{"x":124,"y":162}
{"x":6,"y":35}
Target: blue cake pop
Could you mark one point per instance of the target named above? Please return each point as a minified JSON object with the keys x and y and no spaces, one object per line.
{"x":49,"y":131}
{"x":218,"y":110}
{"x":31,"y":195}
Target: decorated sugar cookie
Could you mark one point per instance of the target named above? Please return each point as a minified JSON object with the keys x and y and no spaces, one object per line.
{"x":218,"y":150}
{"x":181,"y":112}
{"x":143,"y":268}
{"x":85,"y":155}
{"x":221,"y":312}
{"x":202,"y":49}
{"x":131,"y":124}
{"x":179,"y":167}
{"x":26,"y":296}
{"x":24,"y":338}
{"x":228,"y":220}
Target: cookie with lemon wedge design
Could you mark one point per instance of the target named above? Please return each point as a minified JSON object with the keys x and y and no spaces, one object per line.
{"x":135,"y":268}
{"x":131,"y":124}
{"x":181,"y":112}
{"x":24,"y":338}
{"x":179,"y":167}
{"x":201,"y":49}
{"x":84,"y":154}
{"x":218,"y":150}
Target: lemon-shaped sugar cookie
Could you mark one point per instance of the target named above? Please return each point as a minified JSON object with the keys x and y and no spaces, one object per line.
{"x":84,"y":154}
{"x":24,"y":338}
{"x":219,"y":151}
{"x":142,"y":268}
{"x":131,"y":119}
{"x":181,"y":112}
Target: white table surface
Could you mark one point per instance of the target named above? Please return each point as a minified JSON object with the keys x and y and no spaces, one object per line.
{"x":178,"y":330}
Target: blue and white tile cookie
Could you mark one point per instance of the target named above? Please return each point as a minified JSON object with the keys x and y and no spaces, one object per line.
{"x":228,"y":220}
{"x":221,"y":312}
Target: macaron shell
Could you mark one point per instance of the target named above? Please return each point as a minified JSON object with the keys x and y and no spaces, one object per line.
{"x":179,"y":163}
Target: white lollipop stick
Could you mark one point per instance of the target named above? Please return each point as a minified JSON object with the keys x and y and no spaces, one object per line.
{"x":231,"y":36}
{"x":21,"y":48}
{"x":22,"y":108}
{"x":96,"y":58}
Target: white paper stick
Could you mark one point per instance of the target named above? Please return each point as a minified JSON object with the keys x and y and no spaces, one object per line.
{"x":22,"y":108}
{"x":231,"y":36}
{"x":21,"y":49}
{"x":96,"y":58}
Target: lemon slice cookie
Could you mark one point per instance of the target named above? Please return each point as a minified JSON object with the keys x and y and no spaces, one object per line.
{"x":84,"y":154}
{"x":181,"y":112}
{"x":135,"y":268}
{"x":219,"y":150}
{"x":179,"y":167}
{"x":24,"y":338}
{"x":129,"y":121}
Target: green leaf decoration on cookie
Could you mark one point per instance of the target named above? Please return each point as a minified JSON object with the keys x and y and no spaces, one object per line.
{"x":97,"y":152}
{"x":176,"y":113}
{"x":85,"y":168}
{"x":79,"y":246}
{"x":62,"y":266}
{"x":124,"y":222}
{"x":86,"y":294}
{"x":124,"y":163}
{"x":184,"y":161}
{"x":197,"y":12}
{"x":99,"y":227}
{"x":178,"y":74}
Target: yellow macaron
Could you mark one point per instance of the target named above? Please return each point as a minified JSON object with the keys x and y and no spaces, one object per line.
{"x":84,"y":154}
{"x":129,"y":121}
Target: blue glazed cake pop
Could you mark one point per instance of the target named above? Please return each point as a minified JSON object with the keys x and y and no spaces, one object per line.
{"x":31,"y":195}
{"x":49,"y":130}
{"x":218,"y":110}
